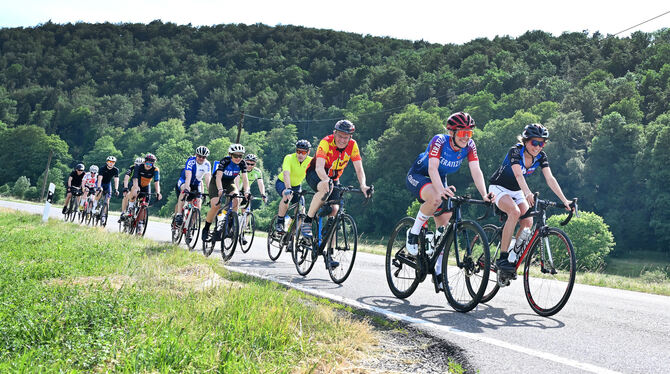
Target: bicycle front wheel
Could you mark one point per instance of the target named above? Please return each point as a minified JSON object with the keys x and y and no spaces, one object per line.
{"x":275,"y":241}
{"x":402,"y":270}
{"x":549,"y":272}
{"x":494,"y":234}
{"x":303,"y":257}
{"x":229,"y":236}
{"x":177,"y":231}
{"x":192,"y":229}
{"x":142,"y":221}
{"x":208,"y":247}
{"x":104,"y":214}
{"x":247,"y":232}
{"x":465,"y":266}
{"x":342,"y":249}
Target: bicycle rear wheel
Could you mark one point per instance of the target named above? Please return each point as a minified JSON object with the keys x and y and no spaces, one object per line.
{"x":549,"y":272}
{"x":345,"y":240}
{"x":229,"y":236}
{"x":402,"y":274}
{"x":493,"y":233}
{"x":464,"y":283}
{"x":302,"y":250}
{"x":275,"y":242}
{"x":247,"y":232}
{"x":193,"y":229}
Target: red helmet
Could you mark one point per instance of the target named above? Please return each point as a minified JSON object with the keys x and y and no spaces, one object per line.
{"x":460,"y":121}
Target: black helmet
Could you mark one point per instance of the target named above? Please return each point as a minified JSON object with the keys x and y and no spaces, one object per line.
{"x":80,"y":167}
{"x":303,"y":144}
{"x":345,"y":126}
{"x":535,"y":130}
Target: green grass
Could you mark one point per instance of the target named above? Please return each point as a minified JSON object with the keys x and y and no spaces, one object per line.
{"x":83,"y":300}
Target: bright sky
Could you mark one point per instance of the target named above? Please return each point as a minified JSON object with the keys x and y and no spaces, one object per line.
{"x":444,"y":21}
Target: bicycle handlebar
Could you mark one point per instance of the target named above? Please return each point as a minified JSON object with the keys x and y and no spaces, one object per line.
{"x":541,"y":205}
{"x":449,"y":203}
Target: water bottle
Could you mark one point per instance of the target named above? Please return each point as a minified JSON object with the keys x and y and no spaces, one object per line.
{"x":518,"y":246}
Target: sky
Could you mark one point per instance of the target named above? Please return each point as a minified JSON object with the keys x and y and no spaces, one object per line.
{"x":443,"y":22}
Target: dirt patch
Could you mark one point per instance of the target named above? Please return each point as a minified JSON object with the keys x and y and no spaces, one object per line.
{"x":115,"y":282}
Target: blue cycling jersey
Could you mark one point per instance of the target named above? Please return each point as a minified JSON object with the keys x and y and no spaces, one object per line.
{"x":504,"y":176}
{"x":198,"y":171}
{"x":450,"y":158}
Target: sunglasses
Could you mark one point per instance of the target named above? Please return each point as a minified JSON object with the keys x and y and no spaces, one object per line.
{"x":236,"y":155}
{"x":464,"y":133}
{"x":111,"y":162}
{"x":301,"y":152}
{"x":252,"y":165}
{"x":148,"y":163}
{"x":538,"y":143}
{"x":198,"y":156}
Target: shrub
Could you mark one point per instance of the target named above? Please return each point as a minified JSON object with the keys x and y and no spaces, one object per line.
{"x":32,"y":193}
{"x":5,"y":189}
{"x":590,"y":236}
{"x":21,"y":186}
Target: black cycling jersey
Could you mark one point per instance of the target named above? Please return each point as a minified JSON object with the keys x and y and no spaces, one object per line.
{"x":76,"y":178}
{"x":130,"y":171}
{"x":108,"y":174}
{"x":146,"y":176}
{"x":504,"y":176}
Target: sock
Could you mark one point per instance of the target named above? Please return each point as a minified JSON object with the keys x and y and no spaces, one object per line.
{"x":418,"y":222}
{"x":280,"y":219}
{"x":206,"y":228}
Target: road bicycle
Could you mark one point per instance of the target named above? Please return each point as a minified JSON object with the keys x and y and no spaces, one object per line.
{"x":334,"y":237}
{"x":279,"y":242}
{"x":225,"y":229}
{"x":138,"y":218}
{"x":103,"y":210}
{"x":73,"y":205}
{"x":548,"y":257}
{"x":247,"y":226}
{"x":465,"y":261}
{"x":86,"y":213}
{"x":189,"y":228}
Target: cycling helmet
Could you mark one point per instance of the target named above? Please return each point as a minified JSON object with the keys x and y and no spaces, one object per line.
{"x":251,"y":157}
{"x":236,"y":148}
{"x":93,"y":169}
{"x":460,"y":121}
{"x":535,"y":130}
{"x":345,"y":126}
{"x":150,"y":157}
{"x":139,"y":161}
{"x":111,"y":158}
{"x":202,"y":151}
{"x":80,"y":167}
{"x":303,"y":144}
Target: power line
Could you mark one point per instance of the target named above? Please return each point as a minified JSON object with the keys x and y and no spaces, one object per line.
{"x":642,"y":23}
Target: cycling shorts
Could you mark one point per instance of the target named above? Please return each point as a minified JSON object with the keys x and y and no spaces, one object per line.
{"x":415,"y":184}
{"x":280,"y":187}
{"x":501,"y":191}
{"x":313,"y":180}
{"x":228,"y":186}
{"x":177,"y":188}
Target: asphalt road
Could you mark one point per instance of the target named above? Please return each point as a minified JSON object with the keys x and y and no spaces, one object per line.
{"x":600,"y":329}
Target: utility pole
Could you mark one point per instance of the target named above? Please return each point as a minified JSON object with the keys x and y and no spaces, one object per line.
{"x":46,"y":175}
{"x":239,"y":127}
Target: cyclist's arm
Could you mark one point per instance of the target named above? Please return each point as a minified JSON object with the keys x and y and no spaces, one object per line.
{"x":126,"y":178}
{"x":245,"y":183}
{"x":187,"y":179}
{"x":287,"y":178}
{"x":434,"y":175}
{"x":157,"y":184}
{"x":69,"y":182}
{"x":261,"y":186}
{"x":98,"y":182}
{"x":207,"y":177}
{"x":217,"y":180}
{"x":518,"y":174}
{"x":320,"y":168}
{"x":478,"y":178}
{"x":116,"y":183}
{"x":360,"y":173}
{"x":553,"y":184}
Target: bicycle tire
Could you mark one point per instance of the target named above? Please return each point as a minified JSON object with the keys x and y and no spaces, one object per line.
{"x":275,"y":242}
{"x":230,"y":231}
{"x":176,"y":230}
{"x":250,"y":223}
{"x":142,"y":217}
{"x":104,"y":214}
{"x":302,"y":250}
{"x":493,"y":233}
{"x":399,"y":261}
{"x":472,"y":271}
{"x":346,"y":242}
{"x":208,"y":247}
{"x":193,"y":229}
{"x":564,"y":262}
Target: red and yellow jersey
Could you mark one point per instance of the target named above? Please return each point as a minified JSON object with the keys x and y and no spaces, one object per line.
{"x":336,"y":159}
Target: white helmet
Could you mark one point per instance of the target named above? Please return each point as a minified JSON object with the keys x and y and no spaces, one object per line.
{"x":93,"y":169}
{"x":111,"y":158}
{"x":202,"y":151}
{"x":139,"y":161}
{"x":236,"y":148}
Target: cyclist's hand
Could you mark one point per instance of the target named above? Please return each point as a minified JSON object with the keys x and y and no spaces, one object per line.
{"x":116,"y":193}
{"x":448,"y":192}
{"x":125,"y":191}
{"x":265,"y":199}
{"x":186,"y":190}
{"x":366,"y":190}
{"x":567,"y":205}
{"x":490,"y":197}
{"x":158,"y":194}
{"x":530,"y":198}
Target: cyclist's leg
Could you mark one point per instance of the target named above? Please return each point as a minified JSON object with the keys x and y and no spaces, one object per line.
{"x":321,"y":189}
{"x":68,"y":196}
{"x":421,"y":187}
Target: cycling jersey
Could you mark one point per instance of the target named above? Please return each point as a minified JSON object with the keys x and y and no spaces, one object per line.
{"x":198,"y":171}
{"x":295,"y":168}
{"x":253,"y":176}
{"x":108,"y":174}
{"x":131,"y":170}
{"x":145,"y":176}
{"x":336,"y":159}
{"x":90,"y":180}
{"x":450,"y":158}
{"x":504,"y":176}
{"x":229,"y":169}
{"x":76,"y":179}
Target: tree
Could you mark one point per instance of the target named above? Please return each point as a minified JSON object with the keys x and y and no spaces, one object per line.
{"x":20,"y":187}
{"x":103,"y":148}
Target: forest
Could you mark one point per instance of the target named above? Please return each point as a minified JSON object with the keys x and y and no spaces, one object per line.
{"x":85,"y":91}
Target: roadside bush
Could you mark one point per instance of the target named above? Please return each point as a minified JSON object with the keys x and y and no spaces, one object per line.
{"x":5,"y":189}
{"x":32,"y":193}
{"x":590,"y":236}
{"x":21,"y":186}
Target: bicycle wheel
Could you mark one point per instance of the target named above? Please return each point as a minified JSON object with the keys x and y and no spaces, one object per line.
{"x":193,"y":229}
{"x":82,"y":213}
{"x":104,"y":214}
{"x":549,"y":272}
{"x":473,"y":271}
{"x":275,"y":242}
{"x":142,"y":221}
{"x":302,"y":250}
{"x":208,"y":247}
{"x":74,"y":208}
{"x":402,"y":274}
{"x":342,"y":248}
{"x":88,"y":215}
{"x":247,"y":232}
{"x":493,"y":233}
{"x":176,"y":230}
{"x":229,"y":236}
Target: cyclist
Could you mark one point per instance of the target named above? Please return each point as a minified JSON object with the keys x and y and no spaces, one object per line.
{"x":513,"y":196}
{"x":196,"y":168}
{"x":128,"y":182}
{"x":90,"y":183}
{"x":427,"y":181}
{"x":289,"y":180}
{"x":254,"y":174}
{"x":224,"y":181}
{"x":142,"y":176}
{"x":73,"y":181}
{"x":105,"y":180}
{"x":332,"y":156}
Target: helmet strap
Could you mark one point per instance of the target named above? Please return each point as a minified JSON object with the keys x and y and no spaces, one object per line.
{"x":453,"y":142}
